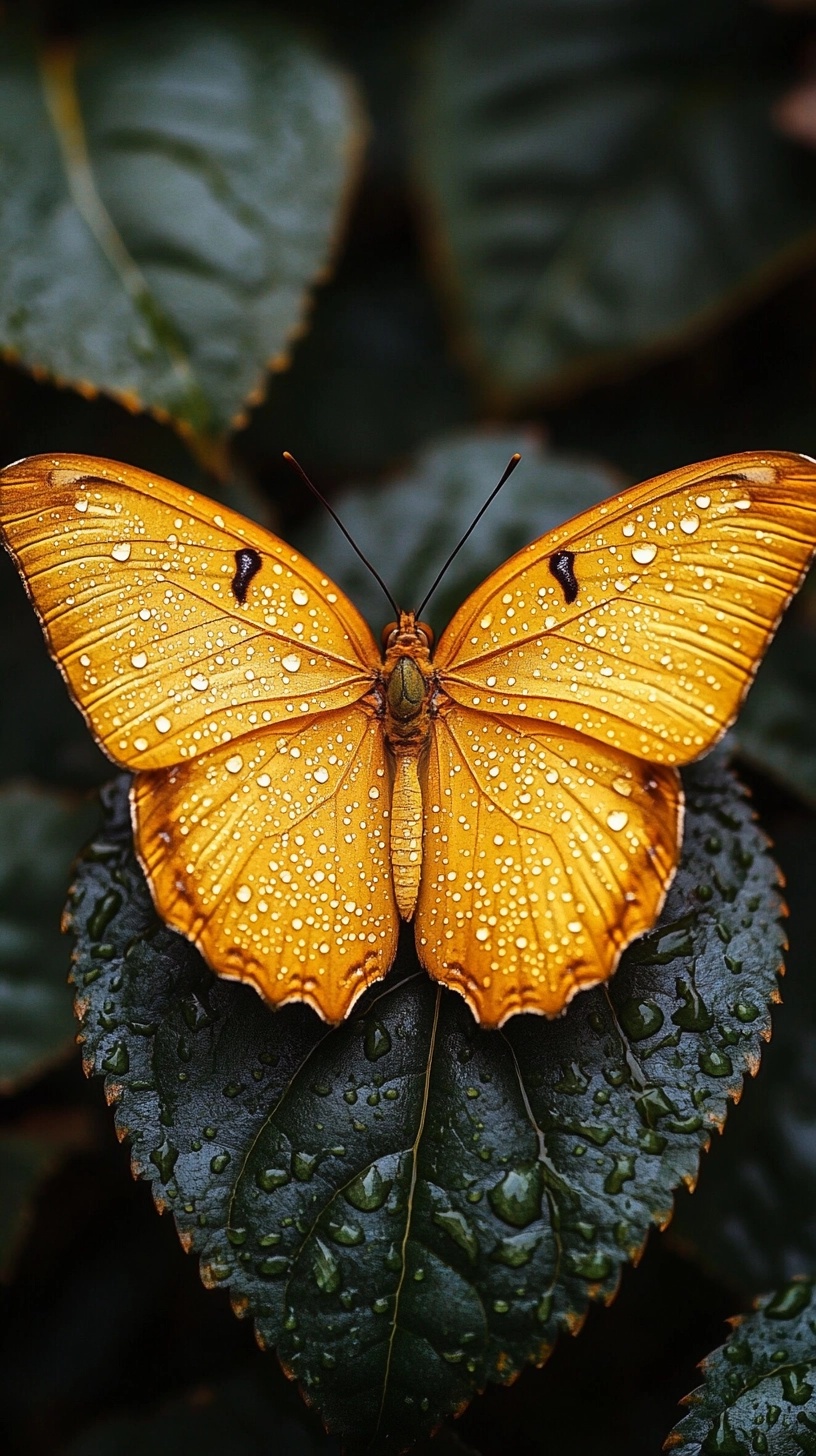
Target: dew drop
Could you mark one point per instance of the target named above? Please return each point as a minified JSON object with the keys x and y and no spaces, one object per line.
{"x":321,"y":775}
{"x":300,"y":597}
{"x":121,"y":551}
{"x":292,"y":662}
{"x":268,"y":1179}
{"x":368,"y":1190}
{"x":235,"y":764}
{"x":617,"y":820}
{"x":200,"y":682}
{"x":644,"y":553}
{"x":376,"y":1040}
{"x":715,"y":1063}
{"x":790,"y":1300}
{"x":516,"y":1199}
{"x":346,"y":1233}
{"x":138,"y":659}
{"x":243,"y":894}
{"x":163,"y":725}
{"x":690,"y":524}
{"x":458,"y":1228}
{"x":640,"y":1018}
{"x":325,"y":1268}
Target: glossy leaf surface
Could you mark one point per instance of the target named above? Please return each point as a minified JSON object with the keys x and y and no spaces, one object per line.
{"x":169,"y":195}
{"x":759,"y":1390}
{"x":409,"y":1207}
{"x":600,"y":177}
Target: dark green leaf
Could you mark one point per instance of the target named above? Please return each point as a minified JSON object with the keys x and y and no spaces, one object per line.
{"x":408,"y":528}
{"x":166,"y":204}
{"x":408,"y":1206}
{"x":603,"y":177}
{"x":776,"y":727}
{"x":238,"y":1417}
{"x":24,"y":1162}
{"x":753,"y":1217}
{"x":39,"y":837}
{"x":759,"y":1393}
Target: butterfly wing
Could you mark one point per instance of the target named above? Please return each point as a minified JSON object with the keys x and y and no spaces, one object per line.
{"x":272,"y":854}
{"x":177,"y":624}
{"x":641,"y":622}
{"x":226,"y":670}
{"x":544,"y":855}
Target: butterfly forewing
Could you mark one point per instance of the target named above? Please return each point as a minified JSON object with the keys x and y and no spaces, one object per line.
{"x":641,"y":622}
{"x":178,"y":624}
{"x":272,"y":855}
{"x":544,"y":856}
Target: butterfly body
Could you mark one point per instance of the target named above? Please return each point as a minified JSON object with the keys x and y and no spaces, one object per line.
{"x":513,"y":791}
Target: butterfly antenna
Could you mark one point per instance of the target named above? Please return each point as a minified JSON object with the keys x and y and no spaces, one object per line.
{"x":290,"y":460}
{"x":512,"y":463}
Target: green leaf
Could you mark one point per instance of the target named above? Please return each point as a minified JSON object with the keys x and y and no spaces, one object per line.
{"x":411,"y":1207}
{"x":759,"y":1392}
{"x":752,"y":1219}
{"x":775,"y":730}
{"x":603,"y":177}
{"x":238,"y":1416}
{"x":408,"y":528}
{"x":169,"y":195}
{"x":39,"y":837}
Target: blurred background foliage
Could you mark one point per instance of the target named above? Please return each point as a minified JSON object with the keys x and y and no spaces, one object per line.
{"x":357,"y":233}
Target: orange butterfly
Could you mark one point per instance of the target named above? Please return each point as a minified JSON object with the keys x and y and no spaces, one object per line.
{"x":515,"y":793}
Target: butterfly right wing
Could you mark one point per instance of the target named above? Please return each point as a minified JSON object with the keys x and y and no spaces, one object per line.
{"x":544,"y":855}
{"x":272,"y":855}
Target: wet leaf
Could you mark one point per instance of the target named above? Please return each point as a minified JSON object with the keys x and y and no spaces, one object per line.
{"x":40,"y":834}
{"x":169,"y":196}
{"x":759,"y":1390}
{"x":602,"y":178}
{"x":752,"y":1220}
{"x":410,"y":1207}
{"x":408,"y":528}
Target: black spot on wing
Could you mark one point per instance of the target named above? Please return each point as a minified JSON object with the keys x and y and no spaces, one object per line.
{"x":247,"y":565}
{"x":561,"y":566}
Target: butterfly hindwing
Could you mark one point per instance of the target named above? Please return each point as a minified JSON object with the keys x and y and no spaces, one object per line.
{"x":178,"y":624}
{"x":545,"y":854}
{"x":641,"y":622}
{"x":272,"y":854}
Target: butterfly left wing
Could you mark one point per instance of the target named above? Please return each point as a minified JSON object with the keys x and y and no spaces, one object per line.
{"x":177,"y":624}
{"x":544,"y":855}
{"x":271,"y":855}
{"x":642,"y":621}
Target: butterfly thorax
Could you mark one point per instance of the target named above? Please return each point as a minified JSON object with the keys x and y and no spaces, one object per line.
{"x":408,"y":690}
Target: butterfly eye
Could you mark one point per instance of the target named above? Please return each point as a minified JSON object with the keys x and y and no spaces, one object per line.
{"x":426,"y":633}
{"x":389,"y":634}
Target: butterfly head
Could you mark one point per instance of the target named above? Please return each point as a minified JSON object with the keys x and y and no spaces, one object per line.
{"x":407,"y":635}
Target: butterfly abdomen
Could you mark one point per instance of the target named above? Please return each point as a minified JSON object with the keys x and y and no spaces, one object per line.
{"x":406,"y":834}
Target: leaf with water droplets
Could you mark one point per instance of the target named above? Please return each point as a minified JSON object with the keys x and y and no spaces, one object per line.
{"x":412,"y":1207}
{"x":39,"y":836}
{"x":759,"y":1389}
{"x":176,"y":193}
{"x":751,"y":1218}
{"x":572,"y":158}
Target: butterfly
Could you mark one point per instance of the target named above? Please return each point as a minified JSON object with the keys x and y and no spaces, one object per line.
{"x":514,"y":790}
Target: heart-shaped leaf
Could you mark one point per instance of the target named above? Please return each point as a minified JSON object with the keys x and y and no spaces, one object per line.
{"x":759,"y":1391}
{"x":409,"y":1206}
{"x":169,"y":195}
{"x":601,"y":178}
